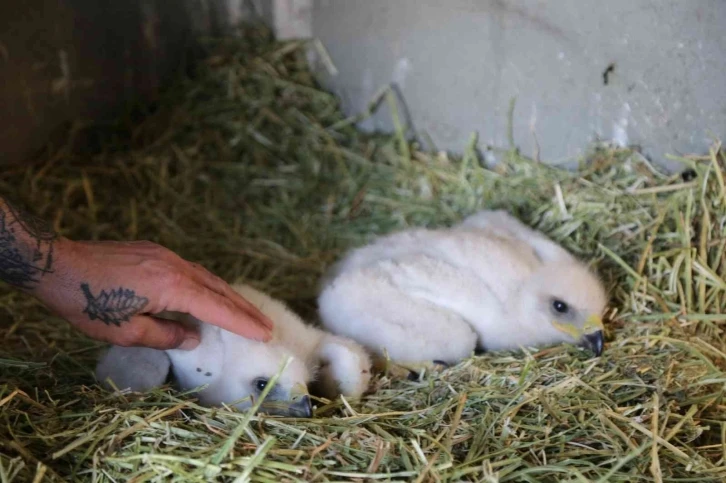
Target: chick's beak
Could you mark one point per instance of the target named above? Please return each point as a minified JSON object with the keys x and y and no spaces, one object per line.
{"x":594,"y":342}
{"x":300,"y":404}
{"x":593,"y":337}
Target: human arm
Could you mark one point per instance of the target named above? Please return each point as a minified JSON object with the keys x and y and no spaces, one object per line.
{"x":111,"y":290}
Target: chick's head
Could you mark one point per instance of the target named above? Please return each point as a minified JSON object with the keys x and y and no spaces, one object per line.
{"x":564,"y":302}
{"x":257,"y":364}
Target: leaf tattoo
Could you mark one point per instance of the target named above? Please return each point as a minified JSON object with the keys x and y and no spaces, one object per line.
{"x":113,"y":307}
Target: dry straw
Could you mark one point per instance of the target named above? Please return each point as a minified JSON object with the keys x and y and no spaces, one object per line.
{"x":251,"y":169}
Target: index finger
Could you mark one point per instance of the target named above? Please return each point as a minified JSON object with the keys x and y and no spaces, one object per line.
{"x":212,"y":308}
{"x":218,"y":285}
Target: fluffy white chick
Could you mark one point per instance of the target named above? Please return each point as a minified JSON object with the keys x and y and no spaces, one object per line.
{"x":235,"y":370}
{"x":488,"y":283}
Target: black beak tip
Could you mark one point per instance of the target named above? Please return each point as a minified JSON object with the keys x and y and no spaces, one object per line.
{"x":595,"y":342}
{"x":304,"y":407}
{"x":299,"y":407}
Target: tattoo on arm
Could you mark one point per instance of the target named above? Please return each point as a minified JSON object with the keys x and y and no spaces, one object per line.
{"x":26,"y":246}
{"x":113,"y":306}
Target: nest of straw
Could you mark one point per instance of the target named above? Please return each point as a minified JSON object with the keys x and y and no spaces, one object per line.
{"x":249,"y":168}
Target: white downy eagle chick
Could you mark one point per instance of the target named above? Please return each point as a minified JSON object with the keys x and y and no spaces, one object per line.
{"x":437,"y":295}
{"x":236,"y":370}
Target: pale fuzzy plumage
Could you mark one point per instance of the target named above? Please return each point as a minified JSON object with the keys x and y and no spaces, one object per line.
{"x":231,"y":366}
{"x":422,"y":295}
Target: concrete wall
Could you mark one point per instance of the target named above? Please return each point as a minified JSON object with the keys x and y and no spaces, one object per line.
{"x":457,"y":65}
{"x":644,"y":72}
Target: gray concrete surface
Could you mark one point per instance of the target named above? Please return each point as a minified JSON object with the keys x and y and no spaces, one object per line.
{"x":457,"y":65}
{"x":633,"y":72}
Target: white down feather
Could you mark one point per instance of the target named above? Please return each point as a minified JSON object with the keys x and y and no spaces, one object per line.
{"x":489,"y":282}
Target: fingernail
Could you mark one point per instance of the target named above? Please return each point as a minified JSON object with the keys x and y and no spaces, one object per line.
{"x":189,"y":344}
{"x":266,"y":336}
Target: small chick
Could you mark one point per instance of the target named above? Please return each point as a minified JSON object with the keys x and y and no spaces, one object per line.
{"x":236,"y":370}
{"x":488,"y":283}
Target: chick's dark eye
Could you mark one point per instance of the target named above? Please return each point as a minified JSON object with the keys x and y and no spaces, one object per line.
{"x":261,"y":384}
{"x":560,"y":306}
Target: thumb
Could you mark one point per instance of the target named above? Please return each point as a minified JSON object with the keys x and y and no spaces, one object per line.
{"x":164,"y":334}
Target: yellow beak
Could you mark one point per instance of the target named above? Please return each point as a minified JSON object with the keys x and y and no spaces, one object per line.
{"x":298,"y":390}
{"x":591,"y":334}
{"x":568,"y":329}
{"x":592,"y":325}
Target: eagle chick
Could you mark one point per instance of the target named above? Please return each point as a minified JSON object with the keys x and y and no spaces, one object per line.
{"x":487,"y":283}
{"x":235,"y":370}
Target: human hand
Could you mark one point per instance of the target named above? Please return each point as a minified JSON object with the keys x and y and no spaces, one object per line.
{"x":111,"y":291}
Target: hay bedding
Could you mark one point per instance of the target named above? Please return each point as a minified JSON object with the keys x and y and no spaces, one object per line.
{"x":250,"y":169}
